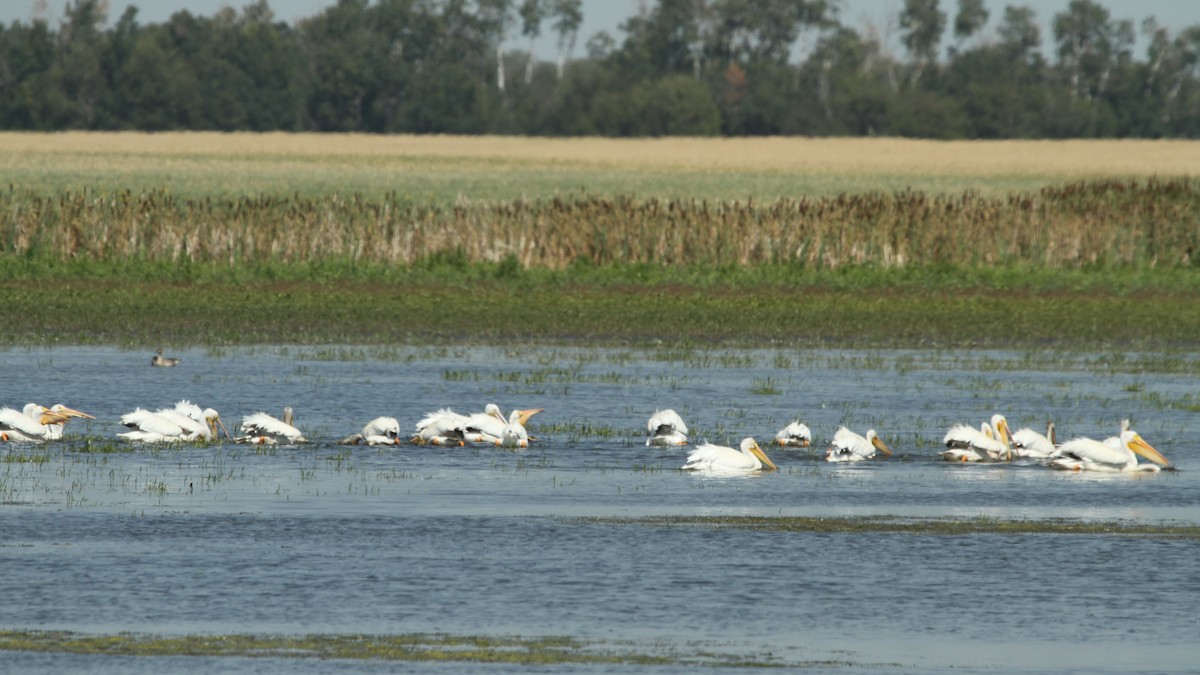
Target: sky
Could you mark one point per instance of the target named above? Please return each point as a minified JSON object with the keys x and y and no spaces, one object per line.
{"x":607,"y":15}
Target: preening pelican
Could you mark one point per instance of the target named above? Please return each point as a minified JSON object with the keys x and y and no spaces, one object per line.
{"x":1029,"y":443}
{"x":261,"y":428}
{"x":379,"y":431}
{"x":163,"y":361}
{"x":666,"y":427}
{"x":720,"y":459}
{"x":1085,"y":454}
{"x":514,"y":434}
{"x":185,"y":422}
{"x":848,"y":446}
{"x":794,"y":434}
{"x":36,"y":423}
{"x":443,"y":427}
{"x":989,"y":443}
{"x":490,"y":425}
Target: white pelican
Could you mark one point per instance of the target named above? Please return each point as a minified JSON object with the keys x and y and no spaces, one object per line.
{"x":185,"y":422}
{"x":1085,"y":454}
{"x":666,"y":427}
{"x":988,"y":443}
{"x":444,"y":427}
{"x":163,"y":361}
{"x":260,"y":428}
{"x":1029,"y":443}
{"x":795,"y":434}
{"x":36,"y":423}
{"x":379,"y":431}
{"x":848,"y":446}
{"x":720,"y":459}
{"x":514,"y":434}
{"x":489,"y":426}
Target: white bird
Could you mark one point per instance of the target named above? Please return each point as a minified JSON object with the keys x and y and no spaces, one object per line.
{"x":795,"y":434}
{"x":666,"y":427}
{"x":1085,"y":454}
{"x":489,"y":426}
{"x":514,"y":434}
{"x":848,"y":446}
{"x":988,"y":443}
{"x":36,"y":423}
{"x":261,"y":428}
{"x":443,"y":427}
{"x":185,"y":422}
{"x":379,"y":431}
{"x":720,"y":459}
{"x":1028,"y":443}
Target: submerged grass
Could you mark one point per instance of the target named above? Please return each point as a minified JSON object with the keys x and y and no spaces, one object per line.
{"x":416,"y":647}
{"x":920,"y":526}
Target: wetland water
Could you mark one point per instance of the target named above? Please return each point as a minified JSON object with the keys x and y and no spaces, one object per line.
{"x":101,"y":537}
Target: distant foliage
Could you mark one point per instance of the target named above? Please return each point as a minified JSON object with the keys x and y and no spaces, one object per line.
{"x":681,"y":68}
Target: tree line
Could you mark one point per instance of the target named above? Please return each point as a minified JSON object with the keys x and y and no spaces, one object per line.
{"x":680,"y":67}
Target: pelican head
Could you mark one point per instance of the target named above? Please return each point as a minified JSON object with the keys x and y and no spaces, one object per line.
{"x":878,"y":443}
{"x":494,"y":410}
{"x":69,"y":412}
{"x":214,"y":420}
{"x":751,"y":446}
{"x":1134,"y":441}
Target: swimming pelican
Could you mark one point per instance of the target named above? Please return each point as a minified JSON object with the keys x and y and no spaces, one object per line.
{"x":36,"y":423}
{"x":1085,"y":454}
{"x":795,"y":434}
{"x":666,"y":427}
{"x":1029,"y":443}
{"x":262,"y":429}
{"x":848,"y":446}
{"x":514,"y":434}
{"x":988,"y":443}
{"x":163,"y":361}
{"x":489,"y":426}
{"x":443,"y":427}
{"x":185,"y":422}
{"x":379,"y":431}
{"x":720,"y":459}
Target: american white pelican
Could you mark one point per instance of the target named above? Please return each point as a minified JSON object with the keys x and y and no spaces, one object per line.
{"x":36,"y":423}
{"x":1029,"y":443}
{"x":720,"y":459}
{"x":185,"y":422}
{"x":794,"y":434}
{"x":163,"y":361}
{"x":988,"y":443}
{"x":666,"y":427}
{"x":379,"y":431}
{"x":1085,"y":454}
{"x":514,"y":434}
{"x":260,"y":428}
{"x":489,"y":426}
{"x":848,"y":446}
{"x":443,"y":427}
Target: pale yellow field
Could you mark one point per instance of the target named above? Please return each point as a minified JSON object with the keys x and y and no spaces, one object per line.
{"x":450,"y":167}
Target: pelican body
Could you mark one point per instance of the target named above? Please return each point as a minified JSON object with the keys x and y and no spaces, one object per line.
{"x":988,"y":443}
{"x":848,"y":446}
{"x":185,"y":422}
{"x":719,"y":459}
{"x":260,"y":428}
{"x":666,"y":427}
{"x":1029,"y":443}
{"x":379,"y":431}
{"x":443,"y":427}
{"x":1086,"y":454}
{"x":794,"y":434}
{"x":36,"y":423}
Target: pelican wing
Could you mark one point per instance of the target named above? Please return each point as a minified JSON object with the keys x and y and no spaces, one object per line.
{"x":668,"y":419}
{"x":709,"y":457}
{"x":152,"y":424}
{"x":263,"y":424}
{"x":17,"y":420}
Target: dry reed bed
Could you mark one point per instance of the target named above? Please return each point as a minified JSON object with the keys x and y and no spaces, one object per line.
{"x":1141,"y":223}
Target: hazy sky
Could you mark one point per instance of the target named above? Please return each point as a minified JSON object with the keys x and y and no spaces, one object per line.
{"x":608,"y":14}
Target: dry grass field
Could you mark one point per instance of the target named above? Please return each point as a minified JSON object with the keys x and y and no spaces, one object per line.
{"x":426,"y":169}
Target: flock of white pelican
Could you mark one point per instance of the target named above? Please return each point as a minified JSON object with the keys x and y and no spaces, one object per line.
{"x":992,"y":441}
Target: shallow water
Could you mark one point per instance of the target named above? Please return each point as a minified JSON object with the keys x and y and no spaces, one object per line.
{"x":324,"y":538}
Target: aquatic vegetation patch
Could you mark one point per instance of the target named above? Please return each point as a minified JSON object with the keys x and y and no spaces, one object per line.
{"x":919,"y":526}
